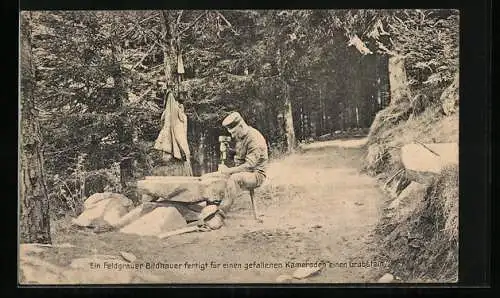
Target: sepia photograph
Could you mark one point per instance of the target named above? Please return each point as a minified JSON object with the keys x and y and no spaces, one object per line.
{"x":238,"y":146}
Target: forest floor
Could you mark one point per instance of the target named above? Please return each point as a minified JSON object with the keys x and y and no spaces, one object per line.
{"x":316,"y":207}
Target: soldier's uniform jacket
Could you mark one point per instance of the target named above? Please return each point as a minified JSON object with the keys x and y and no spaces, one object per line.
{"x":252,"y":149}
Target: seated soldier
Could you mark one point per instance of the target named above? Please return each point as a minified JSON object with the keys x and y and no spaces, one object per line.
{"x":250,"y":159}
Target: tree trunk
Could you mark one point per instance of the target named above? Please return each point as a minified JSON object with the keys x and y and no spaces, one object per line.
{"x":288,"y":117}
{"x":287,"y":110}
{"x":168,"y":50}
{"x":169,"y":31}
{"x":201,"y":153}
{"x":325,"y":110}
{"x":124,"y":131}
{"x":308,"y":124}
{"x":398,"y":81}
{"x":302,"y":123}
{"x":34,"y":202}
{"x":383,"y":85}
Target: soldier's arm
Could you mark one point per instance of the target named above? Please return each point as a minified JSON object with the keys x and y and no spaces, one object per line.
{"x":255,"y":153}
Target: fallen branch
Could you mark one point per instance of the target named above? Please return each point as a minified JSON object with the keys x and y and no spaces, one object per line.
{"x":423,"y":145}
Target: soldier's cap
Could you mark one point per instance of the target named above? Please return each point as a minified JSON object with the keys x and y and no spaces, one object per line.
{"x":232,"y":120}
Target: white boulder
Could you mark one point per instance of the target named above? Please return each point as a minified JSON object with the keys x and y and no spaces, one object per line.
{"x":423,"y":161}
{"x":108,"y":207}
{"x":158,"y":221}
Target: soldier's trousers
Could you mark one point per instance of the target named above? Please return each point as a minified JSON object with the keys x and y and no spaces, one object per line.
{"x":236,"y":184}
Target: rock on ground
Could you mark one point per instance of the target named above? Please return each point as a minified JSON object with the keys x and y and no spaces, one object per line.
{"x":107,"y":207}
{"x":304,"y":272}
{"x":98,"y":197}
{"x":410,"y":192}
{"x":158,"y":221}
{"x":131,"y":216}
{"x":190,"y":211}
{"x":386,"y":278}
{"x":128,"y":256}
{"x":423,"y":161}
{"x":408,"y":200}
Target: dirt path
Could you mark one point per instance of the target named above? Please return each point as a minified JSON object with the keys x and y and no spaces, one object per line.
{"x":316,"y":206}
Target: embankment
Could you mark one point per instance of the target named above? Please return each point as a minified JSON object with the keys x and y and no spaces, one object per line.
{"x":413,"y":151}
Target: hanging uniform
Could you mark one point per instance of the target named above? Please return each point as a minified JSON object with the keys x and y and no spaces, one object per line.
{"x":172,"y":139}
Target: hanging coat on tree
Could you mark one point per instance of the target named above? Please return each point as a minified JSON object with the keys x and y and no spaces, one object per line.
{"x":172,"y":140}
